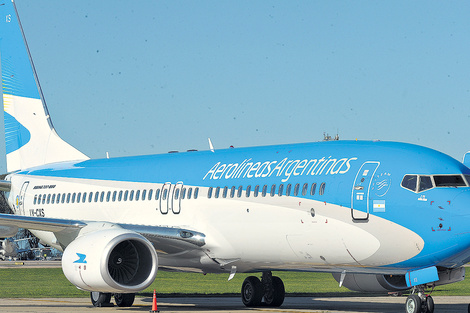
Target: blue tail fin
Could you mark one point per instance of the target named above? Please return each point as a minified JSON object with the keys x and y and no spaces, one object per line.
{"x":30,"y":137}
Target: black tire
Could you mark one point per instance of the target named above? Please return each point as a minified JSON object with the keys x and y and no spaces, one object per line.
{"x":429,"y":304}
{"x":252,"y":291}
{"x":413,"y":304}
{"x":99,"y":299}
{"x":276,"y":298}
{"x":124,"y":299}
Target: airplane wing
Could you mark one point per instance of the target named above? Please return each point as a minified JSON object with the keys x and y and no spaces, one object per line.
{"x":165,"y":239}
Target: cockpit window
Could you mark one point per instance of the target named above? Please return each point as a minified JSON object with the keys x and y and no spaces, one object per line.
{"x":409,"y":182}
{"x":419,"y":183}
{"x":449,"y":181}
{"x":425,"y":183}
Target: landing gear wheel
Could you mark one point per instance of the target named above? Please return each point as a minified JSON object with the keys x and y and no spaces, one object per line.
{"x":124,"y":299}
{"x":252,"y":291}
{"x":413,"y":304}
{"x":275,"y":297}
{"x":429,"y":304}
{"x":100,"y":299}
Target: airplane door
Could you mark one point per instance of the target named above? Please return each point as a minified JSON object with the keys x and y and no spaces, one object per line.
{"x":176,"y":199}
{"x":20,"y":202}
{"x":361,"y":188}
{"x":165,"y":202}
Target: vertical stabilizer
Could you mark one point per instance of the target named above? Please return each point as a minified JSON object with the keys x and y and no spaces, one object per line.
{"x":29,"y":134}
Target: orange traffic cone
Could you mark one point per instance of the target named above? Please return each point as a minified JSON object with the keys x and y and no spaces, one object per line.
{"x":154,"y":303}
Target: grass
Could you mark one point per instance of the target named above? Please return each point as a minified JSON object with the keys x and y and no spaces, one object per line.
{"x":51,"y":282}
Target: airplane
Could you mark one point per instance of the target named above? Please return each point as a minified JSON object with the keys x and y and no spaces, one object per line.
{"x":379,"y":216}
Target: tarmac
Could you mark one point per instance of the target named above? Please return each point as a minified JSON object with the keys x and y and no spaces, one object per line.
{"x":215,"y":304}
{"x":234,"y":304}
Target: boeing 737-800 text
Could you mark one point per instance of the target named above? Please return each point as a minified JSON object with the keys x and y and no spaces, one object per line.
{"x":379,"y":216}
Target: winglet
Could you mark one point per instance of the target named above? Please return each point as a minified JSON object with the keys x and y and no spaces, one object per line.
{"x":466,"y":159}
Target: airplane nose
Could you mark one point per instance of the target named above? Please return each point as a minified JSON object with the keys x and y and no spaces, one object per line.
{"x":461,"y":204}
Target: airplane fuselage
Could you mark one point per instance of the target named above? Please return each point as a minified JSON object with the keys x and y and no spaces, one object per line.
{"x":330,"y":206}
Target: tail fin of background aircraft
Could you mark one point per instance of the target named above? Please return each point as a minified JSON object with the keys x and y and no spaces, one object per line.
{"x":30,"y":137}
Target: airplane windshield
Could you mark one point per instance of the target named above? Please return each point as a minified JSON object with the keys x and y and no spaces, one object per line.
{"x":419,"y":183}
{"x":449,"y":181}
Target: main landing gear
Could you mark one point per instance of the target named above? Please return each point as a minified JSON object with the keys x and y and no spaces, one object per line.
{"x":419,"y":302}
{"x":101,"y":299}
{"x":269,"y":291}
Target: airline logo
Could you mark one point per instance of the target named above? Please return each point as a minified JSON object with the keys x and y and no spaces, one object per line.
{"x":283,"y":168}
{"x":81,"y":258}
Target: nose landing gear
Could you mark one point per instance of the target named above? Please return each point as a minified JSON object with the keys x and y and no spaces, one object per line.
{"x":419,"y":302}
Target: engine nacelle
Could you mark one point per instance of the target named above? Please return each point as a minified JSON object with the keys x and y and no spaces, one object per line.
{"x":110,"y":260}
{"x":373,"y":282}
{"x":384,"y":283}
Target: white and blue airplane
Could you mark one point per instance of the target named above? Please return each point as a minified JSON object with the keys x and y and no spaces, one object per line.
{"x":379,"y":216}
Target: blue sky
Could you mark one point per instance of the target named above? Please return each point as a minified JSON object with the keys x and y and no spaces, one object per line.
{"x":144,"y":77}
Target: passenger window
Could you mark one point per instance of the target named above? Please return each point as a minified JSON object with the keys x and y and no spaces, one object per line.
{"x":157,"y":194}
{"x":409,"y":182}
{"x":48,"y":198}
{"x":108,"y":196}
{"x":150,"y":194}
{"x":232,"y":192}
{"x":53,"y":199}
{"x":97,"y":194}
{"x":164,"y":194}
{"x":144,"y":193}
{"x":265,"y":190}
{"x":114,"y":195}
{"x":190,"y":191}
{"x":68,"y":197}
{"x":296,"y":189}
{"x":90,"y":196}
{"x":137,"y":195}
{"x":248,"y":190}
{"x":44,"y":199}
{"x":73,"y":197}
{"x":126,"y":194}
{"x":288,"y":188}
{"x":131,"y":195}
{"x":281,"y":189}
{"x":35,"y":199}
{"x":84,"y":197}
{"x":425,"y":183}
{"x":217,"y":191}
{"x":177,"y":194}
{"x":63,"y":198}
{"x":79,"y":197}
{"x":102,"y":196}
{"x":183,"y":193}
{"x":240,"y":191}
{"x":224,"y":194}
{"x":321,"y":192}
{"x":273,"y":190}
{"x":312,"y":189}
{"x":304,"y":189}
{"x":196,"y":192}
{"x":209,"y":193}
{"x":255,"y":192}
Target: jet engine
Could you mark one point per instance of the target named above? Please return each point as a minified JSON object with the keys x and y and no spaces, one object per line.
{"x":372,"y":282}
{"x":110,"y":260}
{"x":380,"y":283}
